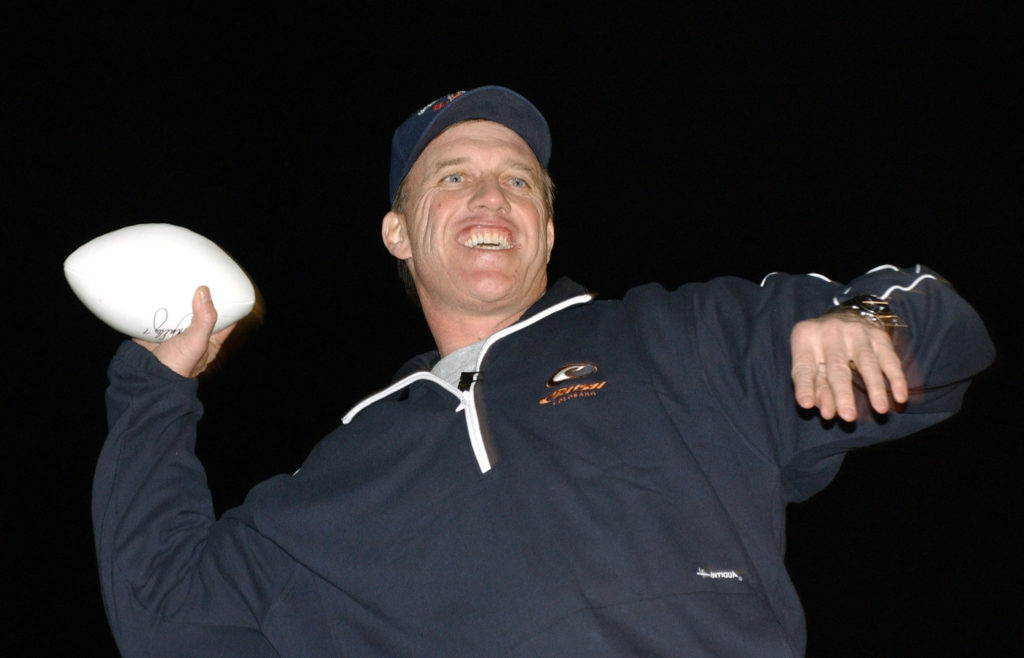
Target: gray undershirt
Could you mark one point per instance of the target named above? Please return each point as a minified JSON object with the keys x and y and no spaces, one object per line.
{"x":451,"y":367}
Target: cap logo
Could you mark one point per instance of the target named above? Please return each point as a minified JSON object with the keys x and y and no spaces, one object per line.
{"x":440,"y":103}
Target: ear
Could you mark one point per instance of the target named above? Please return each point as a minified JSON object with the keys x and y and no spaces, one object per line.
{"x":393,"y":232}
{"x":551,"y":236}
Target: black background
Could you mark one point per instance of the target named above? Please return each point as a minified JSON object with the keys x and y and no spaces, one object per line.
{"x":688,"y":143}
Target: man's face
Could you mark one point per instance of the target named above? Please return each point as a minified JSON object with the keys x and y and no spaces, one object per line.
{"x":474,"y":231}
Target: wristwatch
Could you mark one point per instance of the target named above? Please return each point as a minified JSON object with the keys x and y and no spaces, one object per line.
{"x":871,"y":308}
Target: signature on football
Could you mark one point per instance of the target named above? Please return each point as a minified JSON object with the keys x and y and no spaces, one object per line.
{"x":160,"y":331}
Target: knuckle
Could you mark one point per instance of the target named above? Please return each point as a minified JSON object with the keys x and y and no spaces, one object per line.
{"x":802,"y":370}
{"x":838,"y":368}
{"x":866,"y":356}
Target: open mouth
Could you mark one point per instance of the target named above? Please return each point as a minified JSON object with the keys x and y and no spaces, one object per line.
{"x":488,"y":239}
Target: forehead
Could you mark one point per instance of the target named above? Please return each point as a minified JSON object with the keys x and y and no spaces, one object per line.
{"x":477,"y":138}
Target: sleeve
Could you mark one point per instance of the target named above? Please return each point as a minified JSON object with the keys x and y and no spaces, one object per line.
{"x":175,"y":581}
{"x":943,"y":347}
{"x":740,"y":341}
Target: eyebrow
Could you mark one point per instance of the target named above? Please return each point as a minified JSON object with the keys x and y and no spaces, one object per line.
{"x":523,"y":166}
{"x":451,"y":162}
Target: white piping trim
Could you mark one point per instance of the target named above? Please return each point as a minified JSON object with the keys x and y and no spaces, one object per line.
{"x":820,"y":276}
{"x":882,"y":267}
{"x":766,"y":276}
{"x":476,"y":436}
{"x":498,"y":335}
{"x":885,"y":295}
{"x":400,"y":384}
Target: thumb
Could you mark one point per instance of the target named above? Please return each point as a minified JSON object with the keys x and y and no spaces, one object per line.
{"x":188,"y":353}
{"x":204,"y":316}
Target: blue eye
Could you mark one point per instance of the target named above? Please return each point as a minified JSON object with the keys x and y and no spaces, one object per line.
{"x":453,"y":178}
{"x":515,"y":181}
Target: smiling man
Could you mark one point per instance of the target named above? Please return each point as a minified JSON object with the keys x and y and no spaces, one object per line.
{"x":475,"y":231}
{"x":562,"y":476}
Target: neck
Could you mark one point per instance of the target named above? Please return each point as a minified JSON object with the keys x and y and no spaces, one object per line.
{"x":459,"y":320}
{"x":452,"y":332}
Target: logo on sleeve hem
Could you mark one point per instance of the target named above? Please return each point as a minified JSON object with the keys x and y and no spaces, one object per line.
{"x":717,"y":575}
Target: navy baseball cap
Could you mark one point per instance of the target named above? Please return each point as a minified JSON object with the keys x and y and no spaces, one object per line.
{"x":492,"y":103}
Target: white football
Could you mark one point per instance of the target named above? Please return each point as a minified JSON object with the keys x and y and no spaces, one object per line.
{"x":140,"y":280}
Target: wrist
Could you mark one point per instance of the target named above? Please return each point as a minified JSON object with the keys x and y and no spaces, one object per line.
{"x":873,"y":309}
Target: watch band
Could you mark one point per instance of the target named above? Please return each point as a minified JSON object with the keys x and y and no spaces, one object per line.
{"x":871,"y":308}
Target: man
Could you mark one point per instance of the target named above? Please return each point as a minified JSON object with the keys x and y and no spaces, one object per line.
{"x":564,"y":476}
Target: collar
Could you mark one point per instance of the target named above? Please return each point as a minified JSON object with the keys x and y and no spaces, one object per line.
{"x":560,"y":291}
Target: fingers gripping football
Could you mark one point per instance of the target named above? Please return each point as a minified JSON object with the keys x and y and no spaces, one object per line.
{"x":190,"y":352}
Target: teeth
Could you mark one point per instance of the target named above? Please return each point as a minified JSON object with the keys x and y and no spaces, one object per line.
{"x":488,"y":240}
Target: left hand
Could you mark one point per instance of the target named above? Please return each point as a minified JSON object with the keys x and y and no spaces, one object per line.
{"x":826,"y":351}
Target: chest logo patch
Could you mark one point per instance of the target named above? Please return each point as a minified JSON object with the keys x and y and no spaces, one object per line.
{"x":571,"y":371}
{"x":566,"y":386}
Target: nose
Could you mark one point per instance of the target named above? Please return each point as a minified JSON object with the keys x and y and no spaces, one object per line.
{"x":490,"y":195}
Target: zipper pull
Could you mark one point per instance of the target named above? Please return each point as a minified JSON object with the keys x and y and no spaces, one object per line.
{"x":467,"y":378}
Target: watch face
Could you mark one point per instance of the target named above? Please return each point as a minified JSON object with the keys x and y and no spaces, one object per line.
{"x":874,"y":309}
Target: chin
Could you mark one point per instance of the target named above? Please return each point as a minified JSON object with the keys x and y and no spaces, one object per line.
{"x":488,"y":283}
{"x":492,"y":291}
{"x":498,"y":287}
